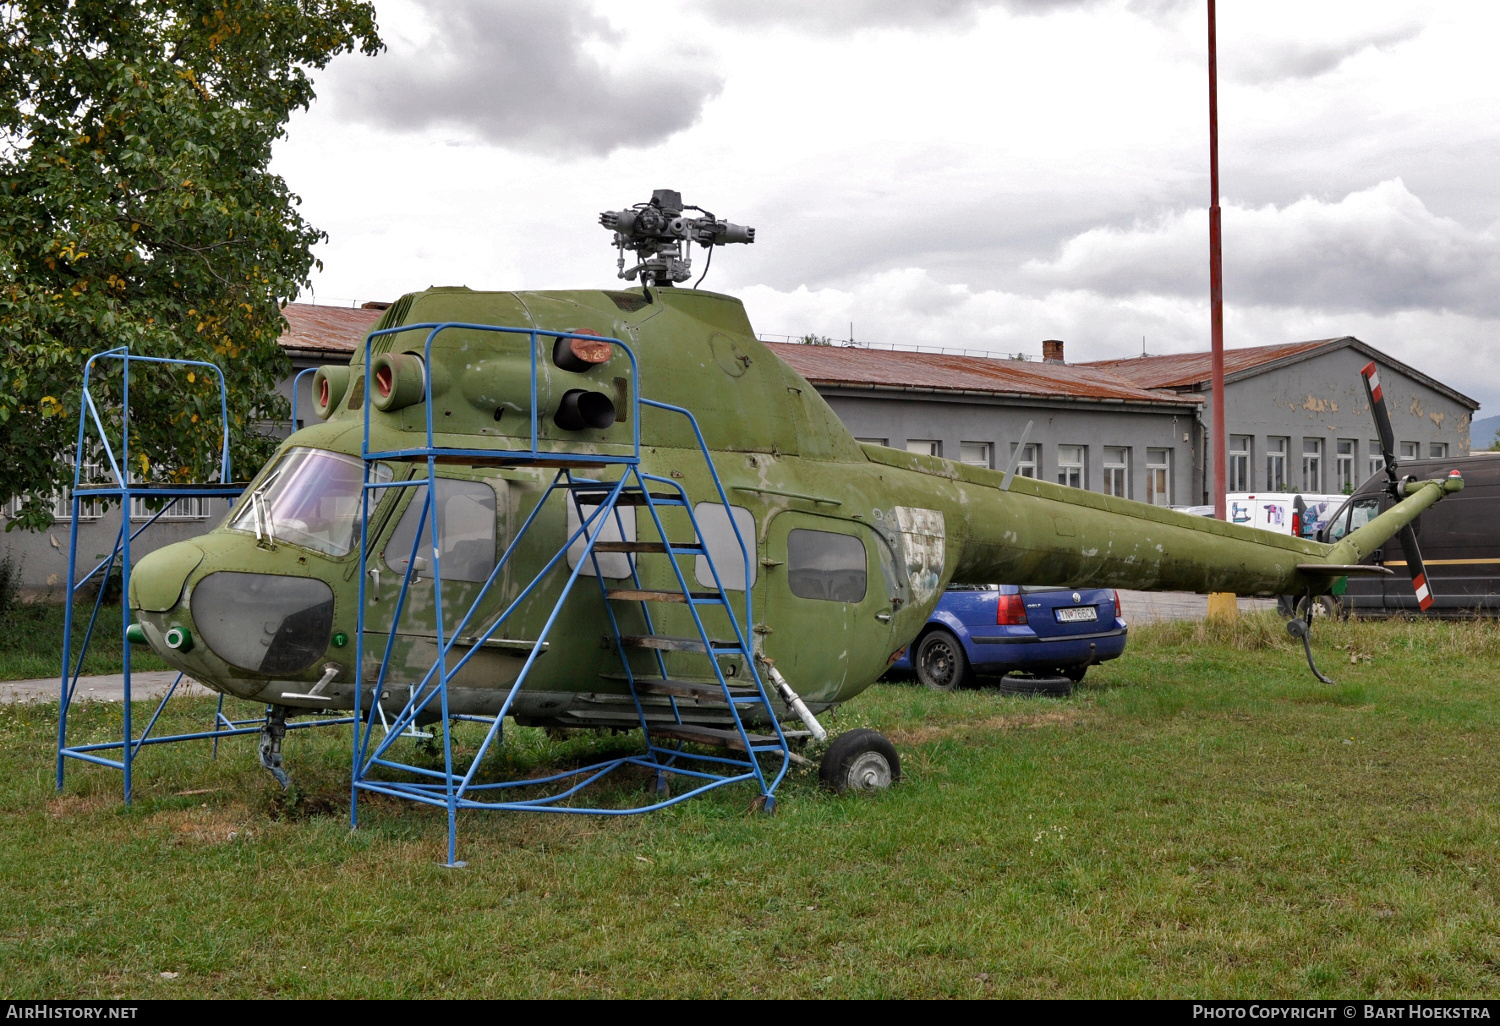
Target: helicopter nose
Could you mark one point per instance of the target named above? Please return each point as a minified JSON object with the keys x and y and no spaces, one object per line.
{"x":156,"y":580}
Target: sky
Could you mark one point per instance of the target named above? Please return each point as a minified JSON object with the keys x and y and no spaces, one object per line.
{"x":974,"y":174}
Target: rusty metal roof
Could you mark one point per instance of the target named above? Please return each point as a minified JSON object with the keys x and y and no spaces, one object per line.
{"x":1182,"y":370}
{"x":1193,"y":370}
{"x":326,"y":329}
{"x":930,"y":372}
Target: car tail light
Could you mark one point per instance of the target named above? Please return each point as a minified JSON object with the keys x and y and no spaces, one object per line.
{"x":1118,"y":611}
{"x":1010,"y":611}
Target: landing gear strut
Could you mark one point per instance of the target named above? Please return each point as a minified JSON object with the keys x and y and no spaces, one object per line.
{"x":1300,"y":628}
{"x":270,"y":744}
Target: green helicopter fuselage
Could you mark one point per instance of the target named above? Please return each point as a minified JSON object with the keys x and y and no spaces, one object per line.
{"x":850,"y":545}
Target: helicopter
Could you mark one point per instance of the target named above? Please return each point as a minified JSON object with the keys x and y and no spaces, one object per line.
{"x":501,"y":404}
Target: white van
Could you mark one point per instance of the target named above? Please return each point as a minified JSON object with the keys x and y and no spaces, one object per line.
{"x":1282,"y":512}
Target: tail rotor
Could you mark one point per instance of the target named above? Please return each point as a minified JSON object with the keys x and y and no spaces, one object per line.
{"x":1408,"y":535}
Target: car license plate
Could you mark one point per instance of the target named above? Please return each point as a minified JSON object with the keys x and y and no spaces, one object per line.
{"x":1077,"y":614}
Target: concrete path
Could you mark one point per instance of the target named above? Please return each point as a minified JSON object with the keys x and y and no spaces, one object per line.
{"x":1153,"y":606}
{"x":108,"y":687}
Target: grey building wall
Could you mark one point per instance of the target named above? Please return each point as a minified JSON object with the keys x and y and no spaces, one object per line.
{"x":1322,"y":400}
{"x":898,"y":418}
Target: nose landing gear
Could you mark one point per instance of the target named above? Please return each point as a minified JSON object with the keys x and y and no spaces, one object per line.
{"x":271,"y":736}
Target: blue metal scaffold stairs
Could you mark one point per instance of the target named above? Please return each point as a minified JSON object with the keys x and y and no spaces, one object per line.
{"x":100,"y":449}
{"x":740,"y":755}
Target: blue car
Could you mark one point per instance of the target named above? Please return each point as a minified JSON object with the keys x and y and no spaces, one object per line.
{"x":1055,"y":633}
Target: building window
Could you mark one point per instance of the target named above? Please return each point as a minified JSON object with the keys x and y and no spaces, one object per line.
{"x":1410,"y":450}
{"x":1238,"y":477}
{"x":1029,"y":460}
{"x":1438,"y":450}
{"x":1276,"y":464}
{"x":1159,"y":476}
{"x":1377,"y":458}
{"x":976,"y":454}
{"x":1312,"y":465}
{"x":925,"y":446}
{"x":1343,"y":466}
{"x":874,"y":441}
{"x":1071,"y":464}
{"x":1117,"y":471}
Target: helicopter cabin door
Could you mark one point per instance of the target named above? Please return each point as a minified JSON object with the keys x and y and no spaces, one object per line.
{"x":466,"y":514}
{"x":825,"y":596}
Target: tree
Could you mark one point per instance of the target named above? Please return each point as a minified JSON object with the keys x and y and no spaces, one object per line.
{"x":137,"y":208}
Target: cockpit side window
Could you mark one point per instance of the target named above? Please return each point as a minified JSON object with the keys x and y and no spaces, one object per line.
{"x":1359,"y":512}
{"x":824,"y":565}
{"x":465,"y":513}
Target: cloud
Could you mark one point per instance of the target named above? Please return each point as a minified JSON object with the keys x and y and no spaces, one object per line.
{"x":1298,"y":59}
{"x":910,"y":307}
{"x":1378,"y":250}
{"x":848,"y":15}
{"x":550,"y":78}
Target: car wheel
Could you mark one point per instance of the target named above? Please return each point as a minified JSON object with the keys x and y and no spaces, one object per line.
{"x":1051,"y":686}
{"x":941,"y":663}
{"x":860,"y":760}
{"x":1322,"y":606}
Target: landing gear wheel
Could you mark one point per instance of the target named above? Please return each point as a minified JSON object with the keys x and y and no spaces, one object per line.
{"x":1049,"y":685}
{"x":1322,"y":607}
{"x":941,"y":663}
{"x":860,"y":760}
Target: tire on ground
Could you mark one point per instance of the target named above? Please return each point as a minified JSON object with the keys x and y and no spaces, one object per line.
{"x":940,"y":661}
{"x":1052,"y":686}
{"x":860,"y":760}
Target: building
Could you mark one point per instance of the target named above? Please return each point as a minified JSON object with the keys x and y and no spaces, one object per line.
{"x":1296,"y":415}
{"x":1090,"y":428}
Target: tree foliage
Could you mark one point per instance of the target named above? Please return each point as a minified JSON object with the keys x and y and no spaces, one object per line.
{"x":137,"y":208}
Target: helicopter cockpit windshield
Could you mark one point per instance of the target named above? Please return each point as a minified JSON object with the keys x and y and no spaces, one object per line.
{"x":309,"y":498}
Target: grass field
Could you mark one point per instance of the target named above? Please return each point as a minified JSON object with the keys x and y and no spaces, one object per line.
{"x":1200,"y":819}
{"x":31,"y":641}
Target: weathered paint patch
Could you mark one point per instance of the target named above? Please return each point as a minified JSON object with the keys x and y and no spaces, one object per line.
{"x":923,"y":543}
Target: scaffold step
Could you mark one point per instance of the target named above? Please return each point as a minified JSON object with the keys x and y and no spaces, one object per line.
{"x":691,"y":689}
{"x":691,"y":548}
{"x":667,"y":644}
{"x":631,"y":499}
{"x":648,"y":595}
{"x":716,"y":736}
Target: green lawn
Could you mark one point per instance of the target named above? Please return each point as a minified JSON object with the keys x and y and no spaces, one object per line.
{"x":1200,"y":819}
{"x":31,"y":641}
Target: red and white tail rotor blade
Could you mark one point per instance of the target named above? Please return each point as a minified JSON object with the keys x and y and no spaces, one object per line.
{"x":1416,"y":567}
{"x":1371,"y":376}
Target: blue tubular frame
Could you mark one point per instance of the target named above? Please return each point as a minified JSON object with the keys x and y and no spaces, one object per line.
{"x":455,"y":789}
{"x":124,"y":491}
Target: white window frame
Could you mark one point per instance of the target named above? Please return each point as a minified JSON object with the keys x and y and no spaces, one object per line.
{"x":925,"y":446}
{"x":1409,"y":451}
{"x":1276,"y":451}
{"x":1312,"y":466}
{"x":1159,"y":477}
{"x":1072,"y":466}
{"x":1117,"y":471}
{"x":1343,"y":465}
{"x":875,"y":441}
{"x":1237,"y":465}
{"x":1029,"y":461}
{"x":977,"y":454}
{"x":1376,"y":462}
{"x":1437,"y":450}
